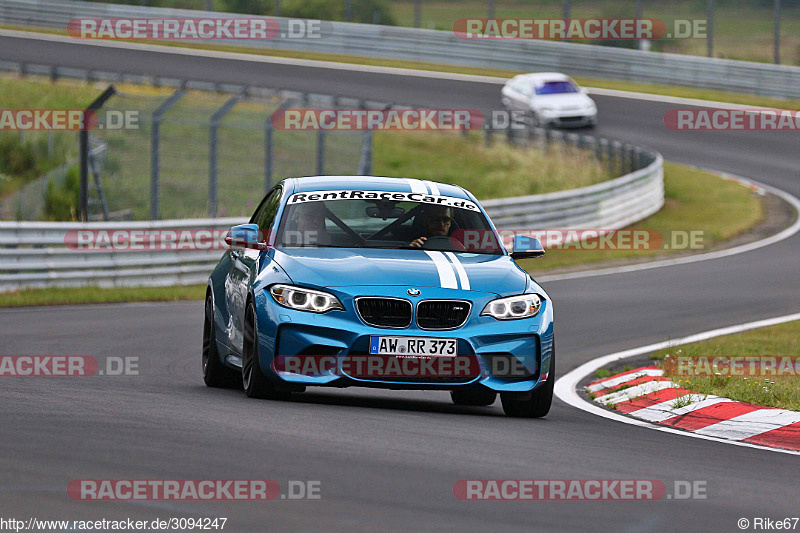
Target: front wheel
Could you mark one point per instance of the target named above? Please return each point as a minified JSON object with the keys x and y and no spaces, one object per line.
{"x":256,"y":384}
{"x":538,"y":405}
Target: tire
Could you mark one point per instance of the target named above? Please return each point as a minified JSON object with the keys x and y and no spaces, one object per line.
{"x":473,"y":397}
{"x":256,"y":385}
{"x":538,"y":405}
{"x":215,"y":373}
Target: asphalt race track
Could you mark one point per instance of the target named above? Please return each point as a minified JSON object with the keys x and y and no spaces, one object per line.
{"x":389,"y":460}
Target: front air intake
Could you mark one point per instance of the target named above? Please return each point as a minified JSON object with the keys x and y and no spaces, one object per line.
{"x":384,"y":312}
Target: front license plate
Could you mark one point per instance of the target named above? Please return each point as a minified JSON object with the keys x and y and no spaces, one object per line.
{"x":429,"y":346}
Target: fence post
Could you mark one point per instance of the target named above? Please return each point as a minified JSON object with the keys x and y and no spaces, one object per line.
{"x":710,"y":27}
{"x":83,"y":149}
{"x":320,"y":152}
{"x":212,"y":153}
{"x":155,"y":154}
{"x":365,"y":165}
{"x":777,"y":23}
{"x":268,"y":155}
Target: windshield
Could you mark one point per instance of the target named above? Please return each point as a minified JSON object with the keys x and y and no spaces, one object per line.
{"x":379,"y":219}
{"x":556,"y":87}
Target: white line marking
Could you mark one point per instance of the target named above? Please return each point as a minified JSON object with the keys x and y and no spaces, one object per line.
{"x":613,"y":382}
{"x":631,"y":95}
{"x":749,"y":247}
{"x":751,"y":424}
{"x":417,"y":186}
{"x":434,"y":189}
{"x":663,"y":411}
{"x":565,"y":388}
{"x":447,"y":276}
{"x":462,"y":273}
{"x":634,"y":392}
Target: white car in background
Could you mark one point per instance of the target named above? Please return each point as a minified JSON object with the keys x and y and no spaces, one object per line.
{"x":549,"y":99}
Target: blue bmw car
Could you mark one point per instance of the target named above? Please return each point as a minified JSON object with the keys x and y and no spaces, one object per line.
{"x":395,"y":283}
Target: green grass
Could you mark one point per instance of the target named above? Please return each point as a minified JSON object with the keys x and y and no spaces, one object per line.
{"x":695,"y":201}
{"x":96,"y":295}
{"x":603,"y":373}
{"x":666,"y":90}
{"x":781,"y":392}
{"x":488,"y":172}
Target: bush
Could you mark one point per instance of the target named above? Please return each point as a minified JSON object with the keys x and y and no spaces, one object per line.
{"x":61,"y":202}
{"x":16,"y":159}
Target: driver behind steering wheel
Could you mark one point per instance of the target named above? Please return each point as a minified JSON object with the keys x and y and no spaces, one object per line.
{"x":436,"y":221}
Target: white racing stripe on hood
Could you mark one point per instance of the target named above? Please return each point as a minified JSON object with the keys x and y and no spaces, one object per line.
{"x":447,"y":276}
{"x":417,"y":186}
{"x":462,"y":273}
{"x":432,"y":186}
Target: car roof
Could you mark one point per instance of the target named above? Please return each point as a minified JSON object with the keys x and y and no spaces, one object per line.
{"x":374,"y":183}
{"x":543,"y":76}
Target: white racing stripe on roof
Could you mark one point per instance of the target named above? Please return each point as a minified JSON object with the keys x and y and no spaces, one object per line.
{"x":462,"y":273}
{"x":751,"y":424}
{"x":447,"y":276}
{"x":432,"y":186}
{"x":619,"y":380}
{"x":417,"y":185}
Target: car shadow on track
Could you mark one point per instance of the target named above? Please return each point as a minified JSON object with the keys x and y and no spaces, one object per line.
{"x":321,"y":397}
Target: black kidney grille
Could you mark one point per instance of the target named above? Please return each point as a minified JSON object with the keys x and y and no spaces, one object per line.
{"x":385,"y":312}
{"x":442,"y":314}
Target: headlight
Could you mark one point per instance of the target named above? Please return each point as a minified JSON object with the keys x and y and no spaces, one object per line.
{"x":513,"y":307}
{"x":304,"y":299}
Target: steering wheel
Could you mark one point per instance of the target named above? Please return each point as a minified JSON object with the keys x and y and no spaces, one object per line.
{"x":438,"y":242}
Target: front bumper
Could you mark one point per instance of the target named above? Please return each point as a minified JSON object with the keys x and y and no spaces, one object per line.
{"x":571,"y":120}
{"x":505,"y":356}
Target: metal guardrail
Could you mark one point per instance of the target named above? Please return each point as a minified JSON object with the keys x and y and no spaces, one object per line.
{"x":444,"y":47}
{"x":36,"y":254}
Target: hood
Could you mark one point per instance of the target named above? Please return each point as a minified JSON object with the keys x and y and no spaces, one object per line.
{"x":565,"y":102}
{"x":340,"y":267}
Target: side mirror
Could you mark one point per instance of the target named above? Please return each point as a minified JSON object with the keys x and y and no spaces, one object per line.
{"x":526,"y":247}
{"x":245,"y":236}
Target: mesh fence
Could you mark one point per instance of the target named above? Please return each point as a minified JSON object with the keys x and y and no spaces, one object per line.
{"x":209,"y":155}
